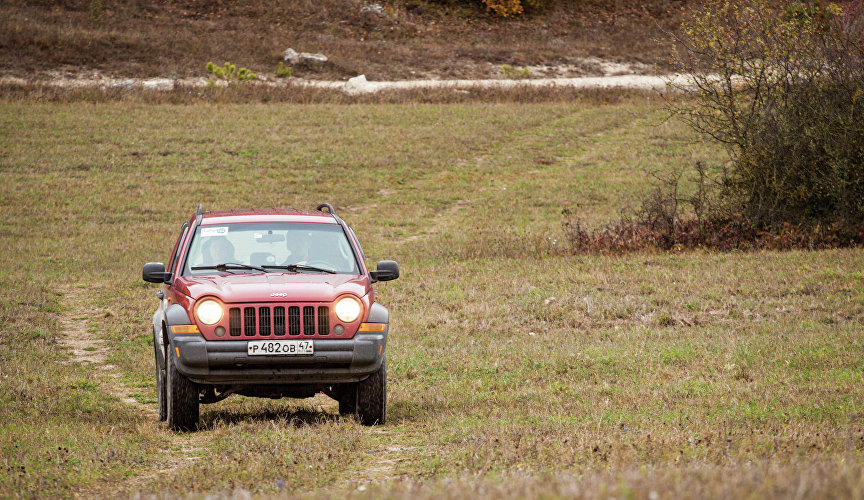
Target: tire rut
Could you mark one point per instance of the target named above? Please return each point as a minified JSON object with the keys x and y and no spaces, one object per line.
{"x":89,"y":349}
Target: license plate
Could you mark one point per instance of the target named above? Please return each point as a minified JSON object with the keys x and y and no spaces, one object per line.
{"x":280,"y":348}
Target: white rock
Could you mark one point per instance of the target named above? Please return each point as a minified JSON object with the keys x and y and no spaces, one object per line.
{"x":158,"y":84}
{"x":124,"y":84}
{"x":357,"y":85}
{"x":375,"y":8}
{"x":291,"y":56}
{"x":306,"y":57}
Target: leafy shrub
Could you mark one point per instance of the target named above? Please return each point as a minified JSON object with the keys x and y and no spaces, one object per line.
{"x":283,"y":71}
{"x":504,"y":8}
{"x":783,"y":89}
{"x":515,"y":72}
{"x":230,"y":72}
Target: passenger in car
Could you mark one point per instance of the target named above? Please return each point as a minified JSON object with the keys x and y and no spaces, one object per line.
{"x":298,"y":249}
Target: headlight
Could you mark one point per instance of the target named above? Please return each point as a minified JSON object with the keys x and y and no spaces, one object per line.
{"x":348,"y":309}
{"x":209,"y":312}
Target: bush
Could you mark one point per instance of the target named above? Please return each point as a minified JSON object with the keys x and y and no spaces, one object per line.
{"x":283,"y":71}
{"x":783,"y":89}
{"x":503,"y":8}
{"x":515,"y":72}
{"x":230,"y":72}
{"x":666,"y":221}
{"x":630,"y":235}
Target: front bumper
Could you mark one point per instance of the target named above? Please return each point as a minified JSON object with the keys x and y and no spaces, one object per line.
{"x":227,"y":362}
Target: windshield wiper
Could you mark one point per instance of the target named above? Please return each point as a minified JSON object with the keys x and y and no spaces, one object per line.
{"x":228,"y":266}
{"x":302,"y":267}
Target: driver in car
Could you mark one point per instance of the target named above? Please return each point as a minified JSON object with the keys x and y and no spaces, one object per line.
{"x":218,"y":250}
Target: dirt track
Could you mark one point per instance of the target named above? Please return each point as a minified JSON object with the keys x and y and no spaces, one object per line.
{"x":359,"y":84}
{"x":86,"y":347}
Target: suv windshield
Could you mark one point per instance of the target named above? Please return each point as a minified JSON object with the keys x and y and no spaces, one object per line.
{"x":304,"y":247}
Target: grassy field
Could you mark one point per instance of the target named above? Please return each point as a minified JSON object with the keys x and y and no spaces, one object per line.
{"x":516,"y":369}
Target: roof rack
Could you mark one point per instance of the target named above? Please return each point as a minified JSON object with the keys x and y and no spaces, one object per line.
{"x":199,"y":214}
{"x":328,"y":206}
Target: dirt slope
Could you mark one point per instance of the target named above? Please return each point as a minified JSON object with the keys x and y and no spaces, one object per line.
{"x":412,"y":40}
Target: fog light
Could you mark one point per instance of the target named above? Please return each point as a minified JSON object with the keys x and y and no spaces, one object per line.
{"x":220,"y":331}
{"x":338,"y":329}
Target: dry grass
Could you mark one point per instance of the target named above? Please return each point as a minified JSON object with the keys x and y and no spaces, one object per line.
{"x":246,"y":93}
{"x":418,"y":39}
{"x":515,"y":370}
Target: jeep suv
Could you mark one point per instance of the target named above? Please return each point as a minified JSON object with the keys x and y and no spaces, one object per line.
{"x":269,"y":303}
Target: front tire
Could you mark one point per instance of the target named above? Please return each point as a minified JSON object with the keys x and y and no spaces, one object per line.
{"x":160,"y":385}
{"x":372,"y":397}
{"x":183,"y":402}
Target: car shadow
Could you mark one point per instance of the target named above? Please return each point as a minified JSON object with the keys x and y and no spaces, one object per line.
{"x":287,"y":416}
{"x":397,"y":411}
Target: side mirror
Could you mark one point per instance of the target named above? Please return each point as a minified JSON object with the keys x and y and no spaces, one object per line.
{"x":154,"y":272}
{"x":387,"y":270}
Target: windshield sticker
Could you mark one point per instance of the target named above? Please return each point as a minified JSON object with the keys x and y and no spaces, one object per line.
{"x":214,"y":231}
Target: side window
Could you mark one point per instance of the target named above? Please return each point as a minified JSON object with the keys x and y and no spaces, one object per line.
{"x":175,"y":255}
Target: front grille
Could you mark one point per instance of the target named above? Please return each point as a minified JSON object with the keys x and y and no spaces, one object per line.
{"x":278,"y":321}
{"x":323,"y":320}
{"x":263,"y":321}
{"x":234,"y":322}
{"x":249,"y":321}
{"x":293,"y":320}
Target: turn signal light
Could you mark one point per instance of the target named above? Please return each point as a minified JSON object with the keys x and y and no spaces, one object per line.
{"x":185,"y":329}
{"x":372,"y":327}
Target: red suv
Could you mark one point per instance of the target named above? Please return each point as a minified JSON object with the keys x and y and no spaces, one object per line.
{"x":269,"y":303}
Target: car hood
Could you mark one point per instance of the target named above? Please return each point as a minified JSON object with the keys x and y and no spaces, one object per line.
{"x":275,"y":287}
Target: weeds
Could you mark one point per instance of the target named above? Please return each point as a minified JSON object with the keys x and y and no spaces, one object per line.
{"x":230,"y":72}
{"x":283,"y":71}
{"x":629,"y":235}
{"x":515,"y":72}
{"x":671,"y":220}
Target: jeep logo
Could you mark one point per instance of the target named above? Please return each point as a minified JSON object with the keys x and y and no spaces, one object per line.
{"x":279,"y":294}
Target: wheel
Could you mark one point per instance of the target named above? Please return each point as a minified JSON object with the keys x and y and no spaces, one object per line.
{"x":160,"y":385}
{"x":182,"y":407}
{"x":347,"y":397}
{"x":372,"y":397}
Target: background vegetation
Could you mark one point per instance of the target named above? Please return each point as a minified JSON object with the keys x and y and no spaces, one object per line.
{"x":414,"y":39}
{"x":782,"y":86}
